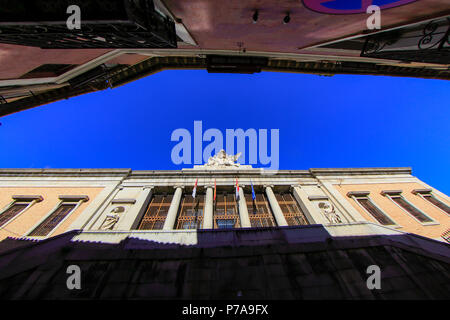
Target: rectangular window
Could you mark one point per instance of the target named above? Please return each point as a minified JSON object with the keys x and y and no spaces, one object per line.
{"x":156,"y":213}
{"x":292,"y":212}
{"x":259,"y":211}
{"x":191,"y":212}
{"x":416,"y":213}
{"x":226,"y":214}
{"x":446,"y":236}
{"x":20,"y":203}
{"x":49,"y":223}
{"x":225,"y":223}
{"x":432,"y":199}
{"x":374,"y":211}
{"x":12,"y":212}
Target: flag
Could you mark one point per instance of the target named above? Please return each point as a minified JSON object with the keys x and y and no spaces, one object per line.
{"x":253,"y":192}
{"x":253,"y":198}
{"x":195,"y":189}
{"x":237,"y":190}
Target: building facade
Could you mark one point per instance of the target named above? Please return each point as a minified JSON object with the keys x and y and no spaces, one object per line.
{"x":42,"y":203}
{"x":126,"y":40}
{"x":222,"y":231}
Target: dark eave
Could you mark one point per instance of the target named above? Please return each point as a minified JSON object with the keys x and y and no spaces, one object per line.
{"x":152,"y":65}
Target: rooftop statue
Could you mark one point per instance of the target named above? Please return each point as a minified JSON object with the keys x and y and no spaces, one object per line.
{"x":223,"y":159}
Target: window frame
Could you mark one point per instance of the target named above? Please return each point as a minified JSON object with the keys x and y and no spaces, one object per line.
{"x":365,"y":195}
{"x":291,"y":215}
{"x":157,"y":217}
{"x":62,"y":200}
{"x":19,"y":199}
{"x":258,"y":216}
{"x":193,"y":220}
{"x":423,"y":192}
{"x":226,"y":216}
{"x":398,"y":194}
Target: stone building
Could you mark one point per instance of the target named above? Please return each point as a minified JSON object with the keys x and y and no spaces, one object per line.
{"x":147,"y":236}
{"x":44,"y":61}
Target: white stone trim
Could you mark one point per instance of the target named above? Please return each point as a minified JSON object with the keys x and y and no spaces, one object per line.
{"x":94,"y":206}
{"x":243,"y":211}
{"x":132,"y":217}
{"x":345,"y":208}
{"x":310,"y":211}
{"x":98,"y":216}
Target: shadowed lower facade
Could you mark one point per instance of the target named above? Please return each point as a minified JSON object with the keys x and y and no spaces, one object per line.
{"x":244,"y":233}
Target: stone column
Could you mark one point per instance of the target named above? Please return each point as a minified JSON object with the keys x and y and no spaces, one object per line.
{"x":208,"y":211}
{"x":243,"y":212}
{"x":277,"y":213}
{"x":313,"y":214}
{"x":173,"y":209}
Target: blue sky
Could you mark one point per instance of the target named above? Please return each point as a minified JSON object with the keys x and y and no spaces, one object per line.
{"x":324,"y":122}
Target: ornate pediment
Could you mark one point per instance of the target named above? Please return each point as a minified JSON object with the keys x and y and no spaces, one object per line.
{"x":222,"y":160}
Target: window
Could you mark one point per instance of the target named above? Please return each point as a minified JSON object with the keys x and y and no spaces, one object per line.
{"x":446,"y":236}
{"x":436,"y":202}
{"x":374,"y":211}
{"x":226,"y":214}
{"x":55,"y":218}
{"x":19,"y":204}
{"x":408,"y":207}
{"x":191,"y":212}
{"x":259,"y":211}
{"x":48,"y":70}
{"x":427,"y":195}
{"x":156,"y":213}
{"x":12,"y":211}
{"x":292,"y":212}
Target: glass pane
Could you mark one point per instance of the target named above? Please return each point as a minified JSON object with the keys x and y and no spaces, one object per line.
{"x":158,"y":225}
{"x":225,"y":223}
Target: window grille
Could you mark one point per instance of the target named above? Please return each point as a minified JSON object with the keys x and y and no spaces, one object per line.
{"x":156,"y":213}
{"x":374,"y":211}
{"x":432,"y":199}
{"x":12,"y":211}
{"x":226,"y":214}
{"x":191,"y":212}
{"x":411,"y":209}
{"x":259,"y":211}
{"x":50,"y":223}
{"x":292,"y":212}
